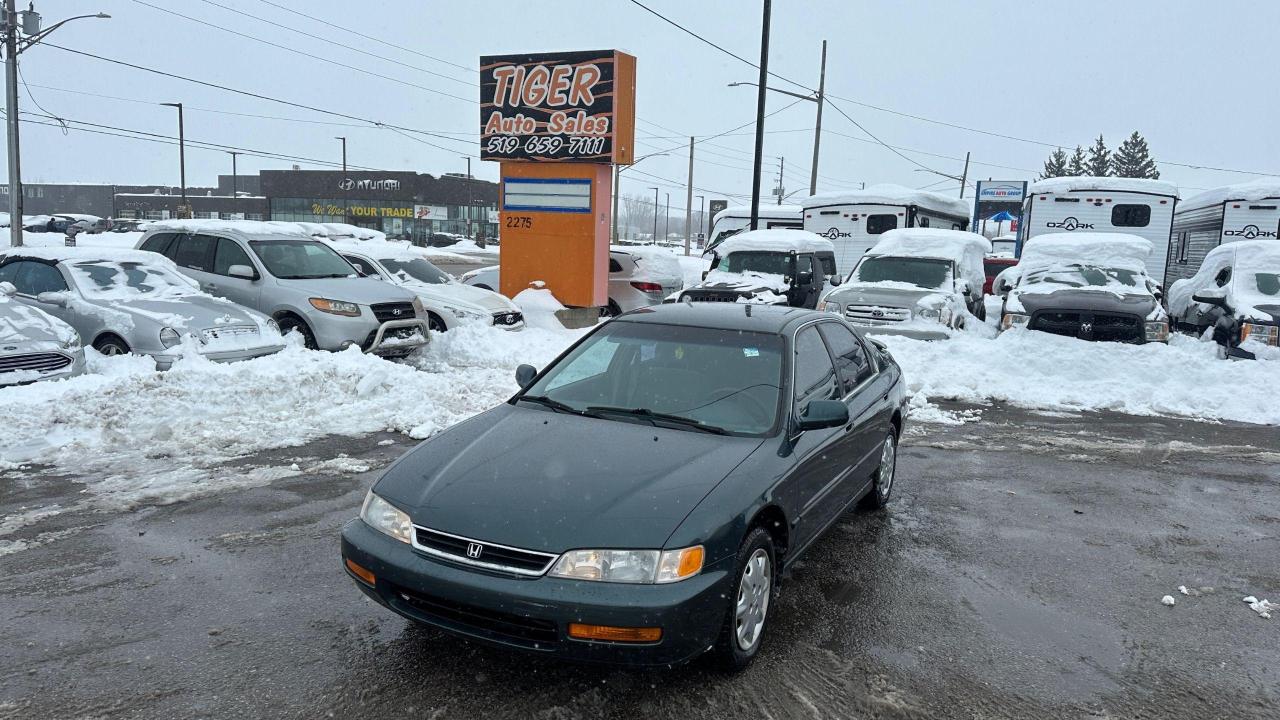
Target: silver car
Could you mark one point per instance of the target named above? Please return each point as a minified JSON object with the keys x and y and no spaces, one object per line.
{"x":126,"y":301}
{"x":299,"y":281}
{"x":34,"y":345}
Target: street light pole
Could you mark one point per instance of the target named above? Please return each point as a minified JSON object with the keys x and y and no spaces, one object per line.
{"x":654,"y":238}
{"x":702,"y":213}
{"x":760,"y":105}
{"x":345,"y":209}
{"x":182,"y":159}
{"x":468,"y":159}
{"x":688,"y":202}
{"x":666,"y":222}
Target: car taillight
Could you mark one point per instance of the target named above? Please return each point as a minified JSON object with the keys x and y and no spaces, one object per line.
{"x":647,"y":287}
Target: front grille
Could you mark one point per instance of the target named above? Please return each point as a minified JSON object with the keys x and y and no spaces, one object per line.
{"x":876,"y":314}
{"x":228,"y":331}
{"x":494,"y":557}
{"x":385,"y":312}
{"x":712,"y":295}
{"x":1100,"y":327}
{"x":527,"y":631}
{"x":508,"y":319}
{"x":40,"y":362}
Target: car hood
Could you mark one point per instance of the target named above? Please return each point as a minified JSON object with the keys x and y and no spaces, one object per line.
{"x":463,"y":296}
{"x":1082,"y":299}
{"x":28,"y":329}
{"x":190,"y":312}
{"x":887,"y":295}
{"x":364,"y":291}
{"x":541,"y":480}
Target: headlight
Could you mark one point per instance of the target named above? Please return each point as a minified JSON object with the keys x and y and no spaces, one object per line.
{"x":1157,"y":331}
{"x":1013,"y":320}
{"x":1266,"y":334}
{"x":831,"y":307}
{"x":386,"y":518}
{"x":70,"y":342}
{"x":630,"y":566}
{"x":464,"y":314}
{"x":927,"y":313}
{"x":169,"y":337}
{"x":335,"y":307}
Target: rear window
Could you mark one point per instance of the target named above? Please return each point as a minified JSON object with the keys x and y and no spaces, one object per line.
{"x":877,"y":224}
{"x":1131,"y":215}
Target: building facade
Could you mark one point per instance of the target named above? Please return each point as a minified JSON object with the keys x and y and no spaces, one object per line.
{"x":162,"y":206}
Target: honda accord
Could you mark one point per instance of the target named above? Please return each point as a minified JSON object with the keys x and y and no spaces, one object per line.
{"x":638,"y":500}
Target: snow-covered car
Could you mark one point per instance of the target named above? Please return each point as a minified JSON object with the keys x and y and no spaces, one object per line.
{"x":35,"y":345}
{"x":129,"y":301}
{"x":1236,"y":292}
{"x":447,"y":301}
{"x":301,"y":282}
{"x":768,"y":267}
{"x":917,"y":282}
{"x":1092,"y":286}
{"x":638,"y":277}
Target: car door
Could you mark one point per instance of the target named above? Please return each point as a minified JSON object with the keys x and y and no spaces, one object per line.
{"x":818,"y":466}
{"x":858,"y":444}
{"x":242,"y":291}
{"x":193,"y":254}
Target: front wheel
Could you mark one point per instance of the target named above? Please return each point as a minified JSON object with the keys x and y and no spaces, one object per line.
{"x":882,"y":482}
{"x":747,"y":610}
{"x":435,"y":323}
{"x":111,"y":346}
{"x":289,"y":324}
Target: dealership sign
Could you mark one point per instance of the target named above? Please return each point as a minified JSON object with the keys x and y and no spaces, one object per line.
{"x":368,"y":184}
{"x":563,"y":107}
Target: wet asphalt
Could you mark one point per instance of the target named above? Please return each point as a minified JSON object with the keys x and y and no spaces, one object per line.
{"x":1017,"y":573}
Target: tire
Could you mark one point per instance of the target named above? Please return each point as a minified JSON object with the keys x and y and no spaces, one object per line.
{"x":882,"y":481}
{"x":435,"y":323}
{"x":111,"y":345}
{"x":754,"y":587}
{"x":289,"y":323}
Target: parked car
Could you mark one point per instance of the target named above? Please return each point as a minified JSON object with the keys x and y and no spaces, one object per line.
{"x":1236,"y":292}
{"x":59,"y":222}
{"x":917,"y":282}
{"x":1092,"y":286}
{"x":126,"y":301}
{"x":34,"y":345}
{"x":729,"y":440}
{"x":638,"y":277}
{"x":992,"y":266}
{"x":302,"y":283}
{"x":124,"y":226}
{"x":447,"y":301}
{"x":769,"y":267}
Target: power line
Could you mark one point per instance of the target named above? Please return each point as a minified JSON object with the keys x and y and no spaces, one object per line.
{"x":878,"y":140}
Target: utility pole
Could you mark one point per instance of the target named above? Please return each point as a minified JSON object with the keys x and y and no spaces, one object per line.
{"x":182,"y":160}
{"x":345,"y":209}
{"x":666,"y":221}
{"x":688,"y":201}
{"x":964,"y":177}
{"x":235,"y":193}
{"x":702,"y":214}
{"x":655,"y":216}
{"x":468,"y":159}
{"x":760,"y":105}
{"x":817,"y":128}
{"x":11,"y":120}
{"x":782,"y":162}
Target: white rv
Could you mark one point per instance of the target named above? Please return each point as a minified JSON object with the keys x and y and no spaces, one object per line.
{"x":853,"y":220}
{"x":736,"y":218}
{"x":1132,"y":206}
{"x":1244,"y":211}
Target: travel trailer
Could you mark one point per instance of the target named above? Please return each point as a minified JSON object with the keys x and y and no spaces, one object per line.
{"x":1244,"y":211}
{"x":853,"y":220}
{"x":736,"y":218}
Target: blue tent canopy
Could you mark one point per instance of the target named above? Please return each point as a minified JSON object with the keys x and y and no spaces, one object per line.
{"x":1002,"y":216}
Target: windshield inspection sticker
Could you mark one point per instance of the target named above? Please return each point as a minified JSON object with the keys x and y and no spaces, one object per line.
{"x":750,"y":352}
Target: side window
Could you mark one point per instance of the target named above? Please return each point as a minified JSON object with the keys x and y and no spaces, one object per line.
{"x":614,"y":266}
{"x":193,"y":252}
{"x":1131,"y":215}
{"x":852,"y":363}
{"x":158,"y":242}
{"x":362,"y":265}
{"x":36,"y":278}
{"x":815,"y":376}
{"x":923,"y":222}
{"x":877,"y":224}
{"x":9,"y":273}
{"x":228,"y":253}
{"x":1223,"y":277}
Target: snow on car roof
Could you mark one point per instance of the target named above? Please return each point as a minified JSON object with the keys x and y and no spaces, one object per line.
{"x":1104,"y":249}
{"x":769,"y":211}
{"x":91,"y":254}
{"x":378,"y":250}
{"x":273,"y":227}
{"x":1085,"y":183}
{"x":929,"y":242}
{"x":1253,"y":253}
{"x":890,"y":194}
{"x":1258,"y":189}
{"x":660,"y":261}
{"x":777,"y":239}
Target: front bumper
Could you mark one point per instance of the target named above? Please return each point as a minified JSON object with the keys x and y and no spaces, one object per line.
{"x":165,"y":361}
{"x":24,"y":377}
{"x":386,"y":341}
{"x":533,"y":614}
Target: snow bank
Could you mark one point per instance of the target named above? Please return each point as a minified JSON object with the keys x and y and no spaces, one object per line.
{"x":1037,"y":370}
{"x":1085,"y":183}
{"x":1259,"y":189}
{"x":890,"y":194}
{"x":775,"y":240}
{"x":539,"y":307}
{"x":930,"y":242}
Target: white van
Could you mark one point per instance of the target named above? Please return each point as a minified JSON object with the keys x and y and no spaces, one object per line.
{"x":1132,"y":206}
{"x":736,"y":218}
{"x":853,"y":220}
{"x":1244,"y":211}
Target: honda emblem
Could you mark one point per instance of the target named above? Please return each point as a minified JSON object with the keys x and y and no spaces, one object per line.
{"x":474,"y":550}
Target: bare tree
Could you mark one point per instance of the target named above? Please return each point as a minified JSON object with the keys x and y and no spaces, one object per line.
{"x":637,"y":213}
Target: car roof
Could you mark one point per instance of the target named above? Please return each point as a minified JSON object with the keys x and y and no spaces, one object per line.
{"x":774,"y":319}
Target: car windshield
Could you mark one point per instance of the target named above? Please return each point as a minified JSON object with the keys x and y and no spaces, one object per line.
{"x":301,"y":259}
{"x":723,"y":380}
{"x":1078,"y":275}
{"x":929,"y":273}
{"x":416,"y":269}
{"x":1268,"y":283}
{"x":107,"y":279}
{"x":769,"y":263}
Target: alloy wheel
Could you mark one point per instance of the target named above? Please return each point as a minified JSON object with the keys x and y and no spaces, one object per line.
{"x":888,"y":458}
{"x":753,"y":599}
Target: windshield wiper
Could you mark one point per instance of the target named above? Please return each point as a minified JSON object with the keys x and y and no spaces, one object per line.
{"x":656,"y":417}
{"x":557,"y":405}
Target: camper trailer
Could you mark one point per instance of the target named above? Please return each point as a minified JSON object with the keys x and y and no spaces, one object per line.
{"x":854,"y":220}
{"x":1245,"y":211}
{"x":736,"y":218}
{"x":1132,"y":206}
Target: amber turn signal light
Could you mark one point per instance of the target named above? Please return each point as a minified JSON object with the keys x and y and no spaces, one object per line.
{"x":614,"y":634}
{"x":366,"y":575}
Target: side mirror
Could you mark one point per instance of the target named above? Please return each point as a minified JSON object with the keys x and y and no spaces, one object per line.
{"x":525,"y":375}
{"x":1211,"y":297}
{"x":820,"y":414}
{"x":804,"y":278}
{"x":242,"y":271}
{"x":835,"y":279}
{"x":60,"y":299}
{"x":7,"y":288}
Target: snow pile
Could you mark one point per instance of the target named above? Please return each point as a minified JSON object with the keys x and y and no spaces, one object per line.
{"x":1259,"y":189}
{"x":539,"y":307}
{"x":1085,"y":183}
{"x":1167,"y":600}
{"x":890,"y":194}
{"x":1262,"y":607}
{"x":930,"y":242}
{"x":746,"y":280}
{"x":776,"y":240}
{"x":1038,"y":370}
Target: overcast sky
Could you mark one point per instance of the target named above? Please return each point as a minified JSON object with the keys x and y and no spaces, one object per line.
{"x":1185,"y":74}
